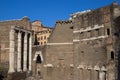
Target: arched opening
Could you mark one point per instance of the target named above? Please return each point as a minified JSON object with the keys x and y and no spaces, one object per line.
{"x":112,"y":55}
{"x":38,"y":59}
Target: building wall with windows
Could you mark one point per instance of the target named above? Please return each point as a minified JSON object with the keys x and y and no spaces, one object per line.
{"x":43,"y":36}
{"x":85,"y":47}
{"x":94,"y":43}
{"x":42,"y":33}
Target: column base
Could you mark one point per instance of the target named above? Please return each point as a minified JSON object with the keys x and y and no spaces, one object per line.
{"x":19,"y":70}
{"x":11,"y":71}
{"x":25,"y":69}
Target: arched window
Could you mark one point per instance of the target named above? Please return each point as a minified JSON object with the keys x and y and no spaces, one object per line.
{"x":38,"y":59}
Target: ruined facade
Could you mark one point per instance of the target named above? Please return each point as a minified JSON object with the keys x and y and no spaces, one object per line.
{"x":86,"y":47}
{"x":15,"y":46}
{"x":95,"y":54}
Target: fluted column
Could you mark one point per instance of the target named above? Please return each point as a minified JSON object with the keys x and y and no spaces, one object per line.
{"x":11,"y":50}
{"x":25,"y":53}
{"x":19,"y":53}
{"x":30,"y":51}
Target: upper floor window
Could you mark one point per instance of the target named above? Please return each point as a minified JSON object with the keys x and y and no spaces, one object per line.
{"x":44,"y":37}
{"x":38,"y":38}
{"x":41,"y":43}
{"x":41,"y":38}
{"x":45,"y":42}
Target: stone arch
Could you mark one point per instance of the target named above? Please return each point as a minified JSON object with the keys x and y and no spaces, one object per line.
{"x":38,"y":57}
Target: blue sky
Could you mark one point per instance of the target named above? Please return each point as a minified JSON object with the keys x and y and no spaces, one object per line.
{"x":48,"y":11}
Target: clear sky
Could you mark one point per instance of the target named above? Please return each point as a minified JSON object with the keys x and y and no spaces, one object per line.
{"x":48,"y":11}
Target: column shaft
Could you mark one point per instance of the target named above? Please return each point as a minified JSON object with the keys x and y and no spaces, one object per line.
{"x":102,"y":75}
{"x":25,"y":53}
{"x":12,"y":51}
{"x":30,"y":51}
{"x":19,"y":53}
{"x":96,"y":75}
{"x":81,"y":74}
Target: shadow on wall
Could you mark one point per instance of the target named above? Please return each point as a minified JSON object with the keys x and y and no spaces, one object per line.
{"x":36,"y":41}
{"x":1,"y":77}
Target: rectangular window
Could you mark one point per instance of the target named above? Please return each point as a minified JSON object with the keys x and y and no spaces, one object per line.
{"x":108,"y":31}
{"x":41,"y":38}
{"x":44,"y":37}
{"x":112,"y":55}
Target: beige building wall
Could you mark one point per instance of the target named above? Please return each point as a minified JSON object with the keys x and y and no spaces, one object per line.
{"x":41,"y":32}
{"x":43,"y":36}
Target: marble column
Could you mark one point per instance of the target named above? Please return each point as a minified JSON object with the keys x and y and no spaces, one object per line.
{"x":30,"y":51}
{"x":11,"y":50}
{"x":102,"y":75}
{"x":96,"y":75}
{"x":25,"y":53}
{"x":19,"y":52}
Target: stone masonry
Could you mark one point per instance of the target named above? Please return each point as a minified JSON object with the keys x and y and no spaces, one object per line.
{"x":86,"y":47}
{"x":14,"y":37}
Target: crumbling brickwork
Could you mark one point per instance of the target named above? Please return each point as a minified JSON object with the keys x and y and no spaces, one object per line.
{"x":85,"y":47}
{"x":94,"y":46}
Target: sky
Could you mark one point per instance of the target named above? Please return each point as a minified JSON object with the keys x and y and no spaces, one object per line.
{"x":47,"y":11}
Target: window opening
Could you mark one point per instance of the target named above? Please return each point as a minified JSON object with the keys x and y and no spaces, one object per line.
{"x":44,"y":37}
{"x":112,"y":55}
{"x":41,"y":43}
{"x":108,"y":31}
{"x":38,"y":60}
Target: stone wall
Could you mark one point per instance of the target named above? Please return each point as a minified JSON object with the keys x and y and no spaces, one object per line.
{"x":59,"y":53}
{"x":94,"y":43}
